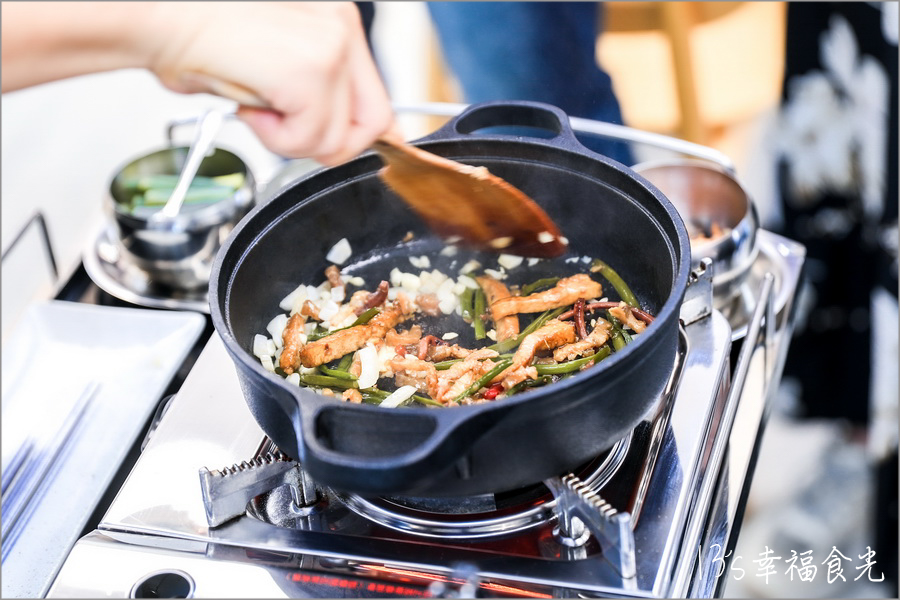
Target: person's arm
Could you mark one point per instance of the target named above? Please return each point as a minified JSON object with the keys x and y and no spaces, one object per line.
{"x":308,"y":61}
{"x":45,"y":41}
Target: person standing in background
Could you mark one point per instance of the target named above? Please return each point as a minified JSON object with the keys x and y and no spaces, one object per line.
{"x":539,"y":51}
{"x":837,"y":174}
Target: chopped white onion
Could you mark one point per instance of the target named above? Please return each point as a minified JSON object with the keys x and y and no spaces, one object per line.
{"x":368,"y":362}
{"x":401,"y":395}
{"x":469,"y":267}
{"x":338,"y":294}
{"x":433,"y":282}
{"x":509,"y":261}
{"x":263,"y":346}
{"x":328,"y":309}
{"x":446,"y":288}
{"x":449,"y":251}
{"x":267,"y":363}
{"x":450,"y":335}
{"x":545,"y":237}
{"x":498,"y":275}
{"x":491,"y":334}
{"x":533,"y":261}
{"x":448,"y":305}
{"x":501,"y":242}
{"x":287,"y":303}
{"x":427,"y":283}
{"x":345,"y":322}
{"x":395,"y":276}
{"x":410,"y":282}
{"x":340,"y":252}
{"x":468,"y":282}
{"x":276,"y":329}
{"x":420,"y":262}
{"x":293,"y":378}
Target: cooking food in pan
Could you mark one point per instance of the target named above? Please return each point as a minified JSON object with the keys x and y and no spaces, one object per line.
{"x":476,"y":330}
{"x":604,"y":209}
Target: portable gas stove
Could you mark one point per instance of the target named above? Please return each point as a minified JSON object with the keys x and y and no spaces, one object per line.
{"x":212,"y":509}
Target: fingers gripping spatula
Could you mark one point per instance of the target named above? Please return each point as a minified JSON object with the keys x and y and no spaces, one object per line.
{"x":458,"y":202}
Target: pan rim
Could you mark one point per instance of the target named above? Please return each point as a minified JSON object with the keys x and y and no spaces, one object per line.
{"x":358,"y":170}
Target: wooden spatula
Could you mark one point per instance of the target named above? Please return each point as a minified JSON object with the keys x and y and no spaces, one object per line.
{"x":457,"y":201}
{"x":467,"y":203}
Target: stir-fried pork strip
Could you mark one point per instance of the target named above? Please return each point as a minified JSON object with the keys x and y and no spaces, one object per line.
{"x":494,"y":290}
{"x":376,"y":298}
{"x":310,"y":310}
{"x":353,"y":307}
{"x":429,"y":304}
{"x":344,"y":341}
{"x":355,"y":367}
{"x":403,"y":338}
{"x":515,"y":376}
{"x":553,"y":334}
{"x":447,"y":352}
{"x":436,"y":350}
{"x":461,"y":375}
{"x":443,"y":386}
{"x":405,"y":303}
{"x":409,"y":370}
{"x":293,"y":339}
{"x":353,"y":396}
{"x":624,"y":314}
{"x":595,"y":339}
{"x":333,"y":275}
{"x":566,"y":292}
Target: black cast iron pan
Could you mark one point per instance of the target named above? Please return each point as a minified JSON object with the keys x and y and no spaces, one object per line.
{"x":605,"y":210}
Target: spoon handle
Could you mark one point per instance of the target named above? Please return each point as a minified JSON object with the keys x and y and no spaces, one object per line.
{"x":206,"y":133}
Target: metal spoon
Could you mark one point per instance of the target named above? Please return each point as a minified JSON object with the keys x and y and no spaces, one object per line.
{"x":207,"y":129}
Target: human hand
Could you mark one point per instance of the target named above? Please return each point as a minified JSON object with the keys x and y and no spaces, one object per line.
{"x":308,"y":62}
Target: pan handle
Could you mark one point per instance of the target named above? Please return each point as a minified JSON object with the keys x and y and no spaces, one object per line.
{"x":367,"y":449}
{"x":601,"y":128}
{"x":520,"y":118}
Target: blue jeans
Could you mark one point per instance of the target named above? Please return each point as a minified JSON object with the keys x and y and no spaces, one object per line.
{"x":540,"y":51}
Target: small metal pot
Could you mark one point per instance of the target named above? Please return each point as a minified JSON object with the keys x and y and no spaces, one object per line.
{"x":719,"y":214}
{"x":180,"y":253}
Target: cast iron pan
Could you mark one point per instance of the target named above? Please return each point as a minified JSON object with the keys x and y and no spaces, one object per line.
{"x":606,"y":210}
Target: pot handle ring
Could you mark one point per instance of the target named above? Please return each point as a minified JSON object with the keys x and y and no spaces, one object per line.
{"x":594,"y":127}
{"x":518,"y":118}
{"x":375,"y":450}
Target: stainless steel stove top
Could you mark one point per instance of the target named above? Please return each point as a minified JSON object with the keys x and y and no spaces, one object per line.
{"x":683,"y":493}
